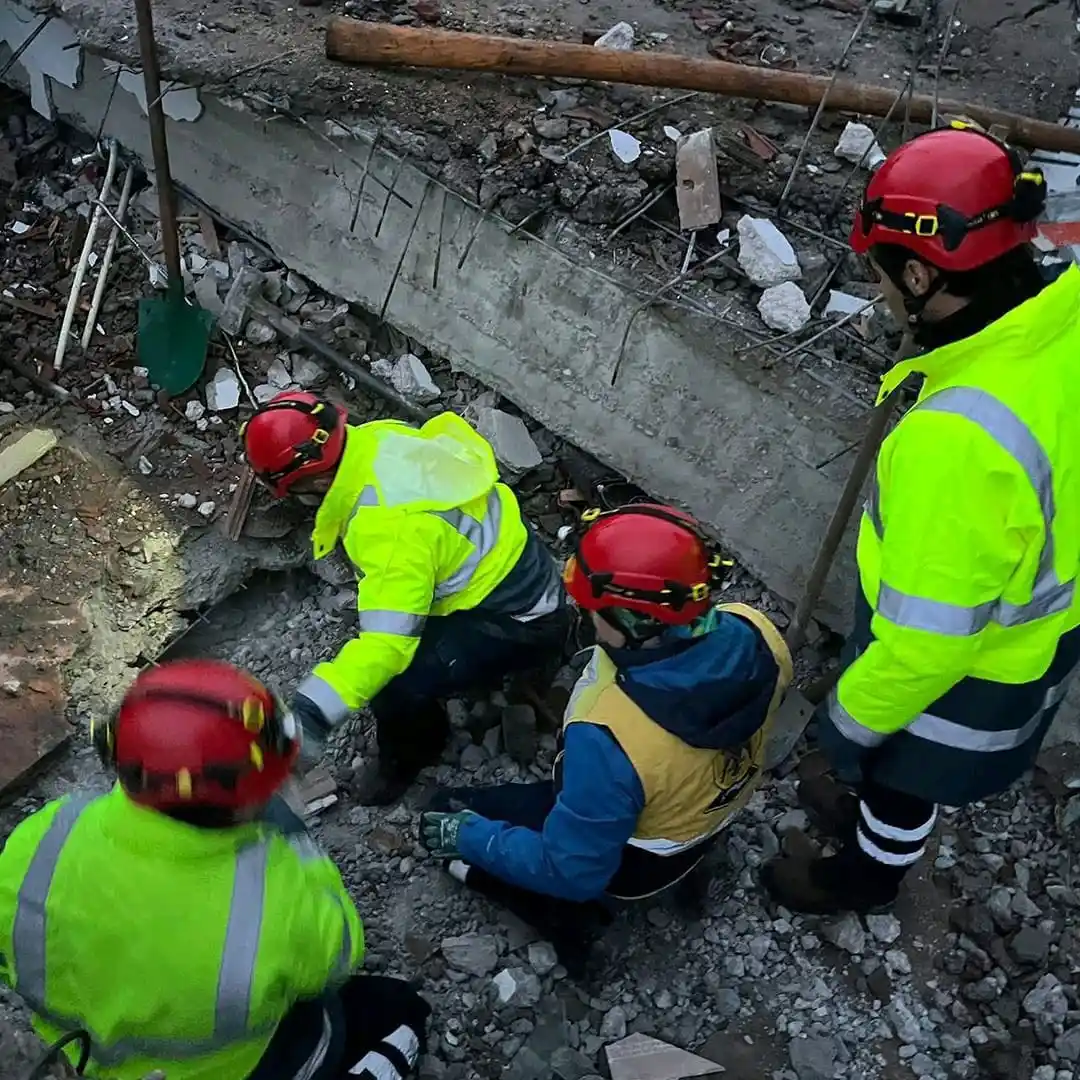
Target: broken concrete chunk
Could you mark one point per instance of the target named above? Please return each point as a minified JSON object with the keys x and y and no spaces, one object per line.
{"x":620,"y":37}
{"x":519,"y":733}
{"x":510,"y":439}
{"x":264,"y":392}
{"x":207,"y":508}
{"x":305,"y":371}
{"x":765,"y":253}
{"x":516,"y":988}
{"x":259,"y":333}
{"x":813,"y":1058}
{"x":187,"y":501}
{"x":542,"y":955}
{"x":784,"y":308}
{"x":641,"y":1057}
{"x":413,"y":381}
{"x":277,"y":374}
{"x":625,"y":147}
{"x":475,"y":954}
{"x":858,"y":145}
{"x":697,"y":186}
{"x":206,"y":295}
{"x":243,"y":290}
{"x":223,"y":391}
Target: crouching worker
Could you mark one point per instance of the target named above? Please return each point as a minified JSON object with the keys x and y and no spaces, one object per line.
{"x":454,"y":592}
{"x":179,"y":930}
{"x":663,"y":738}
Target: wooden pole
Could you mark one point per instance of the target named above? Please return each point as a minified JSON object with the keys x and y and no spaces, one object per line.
{"x":384,"y":45}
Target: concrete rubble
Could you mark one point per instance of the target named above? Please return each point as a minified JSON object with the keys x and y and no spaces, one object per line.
{"x":981,"y":986}
{"x":765,"y":254}
{"x":858,"y":146}
{"x":697,"y":182}
{"x":784,"y":307}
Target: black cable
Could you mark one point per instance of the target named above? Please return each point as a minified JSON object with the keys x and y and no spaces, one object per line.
{"x":52,"y":1055}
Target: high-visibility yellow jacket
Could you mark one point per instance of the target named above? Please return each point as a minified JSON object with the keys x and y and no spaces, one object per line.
{"x":176,"y":948}
{"x":969,"y":547}
{"x":430,"y":530}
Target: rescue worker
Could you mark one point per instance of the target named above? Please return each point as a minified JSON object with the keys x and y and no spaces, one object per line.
{"x":455,"y":590}
{"x":969,"y":545}
{"x":662,"y":743}
{"x":178,"y":930}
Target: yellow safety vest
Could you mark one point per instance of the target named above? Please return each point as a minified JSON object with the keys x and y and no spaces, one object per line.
{"x":176,"y":948}
{"x":969,"y":546}
{"x":430,"y":530}
{"x":690,"y":793}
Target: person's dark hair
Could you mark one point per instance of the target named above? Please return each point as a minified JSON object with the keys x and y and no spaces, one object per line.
{"x":997,"y":287}
{"x":204,"y":817}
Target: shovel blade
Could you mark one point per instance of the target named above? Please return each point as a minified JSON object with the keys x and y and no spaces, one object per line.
{"x":787,"y":727}
{"x":172,"y":341}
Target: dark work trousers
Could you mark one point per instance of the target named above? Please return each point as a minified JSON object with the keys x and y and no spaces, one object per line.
{"x":565,"y":922}
{"x":328,"y":1037}
{"x":458,"y":653}
{"x":889,"y":838}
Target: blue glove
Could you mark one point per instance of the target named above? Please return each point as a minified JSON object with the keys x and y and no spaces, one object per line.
{"x":312,"y":730}
{"x":439,"y":832}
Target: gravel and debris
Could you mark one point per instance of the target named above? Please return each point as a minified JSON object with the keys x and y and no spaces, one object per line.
{"x":974,"y":976}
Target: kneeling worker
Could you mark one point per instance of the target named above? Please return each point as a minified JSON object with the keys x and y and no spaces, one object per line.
{"x":663,"y":738}
{"x":178,"y":930}
{"x":455,"y":590}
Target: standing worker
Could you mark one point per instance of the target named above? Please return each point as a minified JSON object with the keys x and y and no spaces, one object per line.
{"x":455,"y":590}
{"x":969,"y":547}
{"x":179,"y":930}
{"x":663,"y":740}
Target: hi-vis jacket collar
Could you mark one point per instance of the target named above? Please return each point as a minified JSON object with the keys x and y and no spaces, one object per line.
{"x":1041,"y":318}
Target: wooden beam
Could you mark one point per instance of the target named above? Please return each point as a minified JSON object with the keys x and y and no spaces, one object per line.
{"x":382,"y":44}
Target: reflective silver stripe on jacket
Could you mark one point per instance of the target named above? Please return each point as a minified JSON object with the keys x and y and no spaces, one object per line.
{"x":849,"y":727}
{"x":368,"y":497}
{"x":937,"y":729}
{"x":1049,"y":595}
{"x":400,"y":623}
{"x":483,"y":535}
{"x":236,"y":971}
{"x":549,"y":599}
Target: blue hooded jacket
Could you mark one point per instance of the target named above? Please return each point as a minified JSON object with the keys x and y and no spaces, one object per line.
{"x":710,"y":684}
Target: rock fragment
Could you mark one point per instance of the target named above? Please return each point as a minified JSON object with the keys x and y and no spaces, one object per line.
{"x":514,"y":447}
{"x":223,"y":391}
{"x":619,"y":37}
{"x":765,"y":254}
{"x":784,"y":308}
{"x":519,"y":733}
{"x":542,"y":956}
{"x":475,"y":954}
{"x":883,"y":928}
{"x":858,"y":145}
{"x":413,"y":381}
{"x":813,"y":1058}
{"x":1047,"y":1000}
{"x":516,"y":988}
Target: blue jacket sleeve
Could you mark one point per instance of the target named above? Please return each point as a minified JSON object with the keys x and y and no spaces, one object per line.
{"x":581,"y":845}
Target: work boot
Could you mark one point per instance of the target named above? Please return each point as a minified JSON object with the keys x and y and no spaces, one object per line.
{"x":831,"y":884}
{"x":832,"y":807}
{"x":380,"y":784}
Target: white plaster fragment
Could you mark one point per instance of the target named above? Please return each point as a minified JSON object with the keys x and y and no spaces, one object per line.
{"x":765,"y":253}
{"x":625,"y":147}
{"x":858,"y":145}
{"x":619,"y":37}
{"x":53,"y":54}
{"x":784,"y":307}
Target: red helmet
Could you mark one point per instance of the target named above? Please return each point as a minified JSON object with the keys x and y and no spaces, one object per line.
{"x":294,"y":435}
{"x":956,"y":198}
{"x":198,"y":733}
{"x":647,"y":558}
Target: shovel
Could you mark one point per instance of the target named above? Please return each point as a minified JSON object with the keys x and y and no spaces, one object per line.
{"x":173,"y":335}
